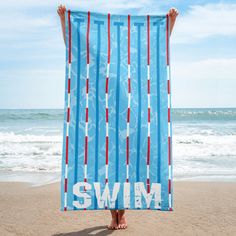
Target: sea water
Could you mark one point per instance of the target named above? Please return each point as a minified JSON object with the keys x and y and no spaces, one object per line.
{"x":204,"y":144}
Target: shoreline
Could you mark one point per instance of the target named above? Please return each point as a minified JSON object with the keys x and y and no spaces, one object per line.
{"x":200,"y":208}
{"x":44,"y":178}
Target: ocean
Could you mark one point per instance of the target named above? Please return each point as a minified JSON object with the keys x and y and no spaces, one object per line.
{"x":204,"y":144}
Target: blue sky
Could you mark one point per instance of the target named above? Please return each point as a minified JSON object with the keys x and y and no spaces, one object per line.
{"x":203,"y":51}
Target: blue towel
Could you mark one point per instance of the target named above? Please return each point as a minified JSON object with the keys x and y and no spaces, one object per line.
{"x":117,"y":119}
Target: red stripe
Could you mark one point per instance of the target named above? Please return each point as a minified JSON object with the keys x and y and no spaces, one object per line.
{"x":109,"y":43}
{"x":67,"y":149}
{"x":68,"y":85}
{"x":148,"y":38}
{"x":167,"y":39}
{"x":65,"y":185}
{"x":149,"y":114}
{"x":168,"y":114}
{"x":86,"y":111}
{"x":148,"y":86}
{"x":87,"y":37}
{"x":68,"y":114}
{"x":129,"y":39}
{"x":106,"y":150}
{"x":69,"y":28}
{"x":148,"y":185}
{"x":168,"y":86}
{"x":127,"y":150}
{"x":169,"y":150}
{"x":129,"y":86}
{"x":106,"y":114}
{"x":148,"y":152}
{"x":128,"y":115}
{"x":87,"y":85}
{"x":107,"y":80}
{"x":169,"y":186}
{"x":86,"y":150}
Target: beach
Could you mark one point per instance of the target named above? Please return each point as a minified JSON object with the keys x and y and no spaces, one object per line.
{"x":204,"y":168}
{"x":200,"y":208}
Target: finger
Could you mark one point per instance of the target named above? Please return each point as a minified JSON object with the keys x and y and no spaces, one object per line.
{"x":176,"y":13}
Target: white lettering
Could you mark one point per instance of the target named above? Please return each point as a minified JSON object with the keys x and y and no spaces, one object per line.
{"x":140,"y":190}
{"x":87,"y":198}
{"x":105,"y":198}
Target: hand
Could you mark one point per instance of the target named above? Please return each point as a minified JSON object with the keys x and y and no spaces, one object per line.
{"x":173,"y":13}
{"x":61,"y":11}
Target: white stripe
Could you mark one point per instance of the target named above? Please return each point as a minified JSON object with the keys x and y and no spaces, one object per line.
{"x":148,"y":171}
{"x":170,"y":172}
{"x":108,"y":70}
{"x":107,"y":129}
{"x":128,"y":71}
{"x":69,"y":70}
{"x":66,"y":171}
{"x":129,"y":99}
{"x":148,"y":72}
{"x":87,"y":70}
{"x":168,"y":129}
{"x":65,"y":199}
{"x":127,"y":133}
{"x":149,"y":129}
{"x":85,"y":171}
{"x":86,"y":128}
{"x":106,"y":171}
{"x":68,"y":100}
{"x":67,"y":128}
{"x":127,"y":171}
{"x":168,"y":100}
{"x":170,"y":200}
{"x":168,"y":72}
{"x":149,"y":103}
{"x":106,"y":100}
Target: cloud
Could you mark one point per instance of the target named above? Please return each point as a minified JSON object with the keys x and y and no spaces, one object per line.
{"x":205,"y":83}
{"x":99,"y":5}
{"x":213,"y":68}
{"x":203,"y":21}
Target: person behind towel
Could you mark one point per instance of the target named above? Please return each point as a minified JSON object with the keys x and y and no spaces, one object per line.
{"x":118,"y":219}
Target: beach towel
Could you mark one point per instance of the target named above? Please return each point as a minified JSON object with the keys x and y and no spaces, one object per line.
{"x":117,"y":118}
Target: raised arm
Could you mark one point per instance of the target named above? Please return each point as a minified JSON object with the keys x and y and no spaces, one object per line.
{"x":173,"y":13}
{"x":61,"y":12}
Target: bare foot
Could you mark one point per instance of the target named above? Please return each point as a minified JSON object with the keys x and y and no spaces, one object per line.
{"x":113,"y":225}
{"x":122,"y":224}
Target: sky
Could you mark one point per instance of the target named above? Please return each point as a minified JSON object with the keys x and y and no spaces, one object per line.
{"x":202,"y":47}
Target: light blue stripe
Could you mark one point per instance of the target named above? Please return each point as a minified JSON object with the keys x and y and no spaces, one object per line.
{"x":77,"y":102}
{"x":118,"y":24}
{"x":158,"y":105}
{"x":139,"y":97}
{"x":99,"y":23}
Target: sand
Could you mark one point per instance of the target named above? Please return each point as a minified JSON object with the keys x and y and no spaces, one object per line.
{"x":200,"y":208}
